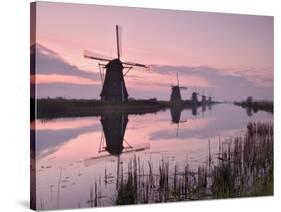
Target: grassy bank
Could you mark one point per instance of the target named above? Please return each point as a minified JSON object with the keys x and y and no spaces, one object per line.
{"x":59,"y":107}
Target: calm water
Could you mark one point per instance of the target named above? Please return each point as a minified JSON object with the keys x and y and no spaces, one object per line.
{"x":73,"y":153}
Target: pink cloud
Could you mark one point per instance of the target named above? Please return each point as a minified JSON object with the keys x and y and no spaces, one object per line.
{"x":56,"y":78}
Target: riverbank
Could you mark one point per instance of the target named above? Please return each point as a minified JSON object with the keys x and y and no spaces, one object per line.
{"x":55,"y":108}
{"x":59,"y":107}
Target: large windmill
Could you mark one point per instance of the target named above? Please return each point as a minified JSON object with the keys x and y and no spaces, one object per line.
{"x":176,"y":93}
{"x":113,"y":83}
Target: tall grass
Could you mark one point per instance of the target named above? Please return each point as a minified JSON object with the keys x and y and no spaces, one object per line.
{"x":243,"y":167}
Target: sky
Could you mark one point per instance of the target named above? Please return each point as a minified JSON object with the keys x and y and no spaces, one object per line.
{"x":228,"y":56}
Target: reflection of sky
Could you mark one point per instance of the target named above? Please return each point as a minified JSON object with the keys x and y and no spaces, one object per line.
{"x":221,"y":118}
{"x":49,"y":140}
{"x":152,"y":127}
{"x":223,"y":53}
{"x":69,"y":143}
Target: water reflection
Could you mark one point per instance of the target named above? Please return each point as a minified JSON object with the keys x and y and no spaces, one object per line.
{"x":114,"y":127}
{"x":176,"y":116}
{"x":194,"y":111}
{"x":83,"y":148}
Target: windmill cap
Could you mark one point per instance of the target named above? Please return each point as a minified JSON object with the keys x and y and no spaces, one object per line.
{"x":115,"y":64}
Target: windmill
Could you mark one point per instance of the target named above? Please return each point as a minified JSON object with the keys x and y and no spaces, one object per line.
{"x":176,"y":94}
{"x":111,"y":73}
{"x":195,"y":102}
{"x":204,"y":100}
{"x":210,"y":99}
{"x":112,"y":141}
{"x":194,"y":98}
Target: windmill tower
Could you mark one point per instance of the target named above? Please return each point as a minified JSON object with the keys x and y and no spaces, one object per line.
{"x":204,"y":100}
{"x":113,"y":83}
{"x":176,"y":94}
{"x":194,"y":98}
{"x":210,"y":99}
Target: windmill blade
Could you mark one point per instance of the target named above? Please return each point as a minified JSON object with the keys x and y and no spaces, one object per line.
{"x":136,"y":64}
{"x":119,"y":40}
{"x":184,"y":88}
{"x":137,"y":148}
{"x":96,"y":56}
{"x":108,"y":157}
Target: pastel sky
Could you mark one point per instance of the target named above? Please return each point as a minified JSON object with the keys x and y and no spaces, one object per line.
{"x":229,"y":56}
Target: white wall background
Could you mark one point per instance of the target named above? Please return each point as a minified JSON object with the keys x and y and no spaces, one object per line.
{"x":14,"y":101}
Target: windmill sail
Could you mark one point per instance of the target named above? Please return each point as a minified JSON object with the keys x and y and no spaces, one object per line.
{"x":96,"y":56}
{"x":119,"y":41}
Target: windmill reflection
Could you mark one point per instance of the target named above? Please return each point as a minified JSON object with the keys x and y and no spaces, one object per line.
{"x":113,"y":142}
{"x":114,"y":127}
{"x":194,"y":110}
{"x":176,"y":111}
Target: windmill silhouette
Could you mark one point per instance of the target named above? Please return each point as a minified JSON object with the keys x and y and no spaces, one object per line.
{"x":113,"y":142}
{"x":194,"y":98}
{"x":204,"y":99}
{"x":176,"y":93}
{"x":113,"y":83}
{"x":176,"y":111}
{"x":210,"y":97}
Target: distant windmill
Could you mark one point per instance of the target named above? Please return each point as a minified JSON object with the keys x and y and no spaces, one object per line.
{"x":204,"y":100}
{"x":194,"y":98}
{"x":114,"y":88}
{"x":210,"y":99}
{"x":176,"y":94}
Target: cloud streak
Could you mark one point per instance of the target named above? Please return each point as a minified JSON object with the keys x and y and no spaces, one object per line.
{"x":49,"y":62}
{"x":56,"y":77}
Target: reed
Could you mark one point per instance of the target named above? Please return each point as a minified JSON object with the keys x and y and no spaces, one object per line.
{"x":244,"y":167}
